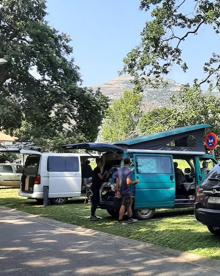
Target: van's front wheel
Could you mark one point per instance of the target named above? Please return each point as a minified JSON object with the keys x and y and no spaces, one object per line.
{"x":144,"y":213}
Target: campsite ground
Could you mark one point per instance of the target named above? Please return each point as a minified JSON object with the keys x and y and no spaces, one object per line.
{"x":176,"y":229}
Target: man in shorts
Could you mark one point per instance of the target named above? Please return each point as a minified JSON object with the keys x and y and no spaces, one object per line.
{"x":123,"y":183}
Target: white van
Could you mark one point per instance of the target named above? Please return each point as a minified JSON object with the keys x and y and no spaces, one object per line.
{"x":61,"y":172}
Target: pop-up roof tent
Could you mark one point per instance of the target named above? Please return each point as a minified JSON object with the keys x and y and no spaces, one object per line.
{"x":189,"y":138}
{"x":186,"y":139}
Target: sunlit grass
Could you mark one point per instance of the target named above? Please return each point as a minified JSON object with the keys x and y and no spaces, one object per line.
{"x":175,"y":229}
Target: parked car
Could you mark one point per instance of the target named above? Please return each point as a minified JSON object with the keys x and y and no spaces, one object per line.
{"x":60,"y":172}
{"x":10,"y":175}
{"x":207,"y":207}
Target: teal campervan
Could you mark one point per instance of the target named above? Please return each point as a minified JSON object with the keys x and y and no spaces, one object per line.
{"x":170,"y":166}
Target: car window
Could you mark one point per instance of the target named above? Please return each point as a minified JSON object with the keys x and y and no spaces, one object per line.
{"x":63,"y":164}
{"x":184,"y":164}
{"x":153,"y":164}
{"x":6,"y":169}
{"x":213,"y":178}
{"x":207,"y":164}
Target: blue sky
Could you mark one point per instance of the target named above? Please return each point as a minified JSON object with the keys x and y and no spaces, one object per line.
{"x":104,"y":31}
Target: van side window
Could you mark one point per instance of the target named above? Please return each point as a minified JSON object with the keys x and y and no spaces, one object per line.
{"x":154,"y":164}
{"x":62,"y":164}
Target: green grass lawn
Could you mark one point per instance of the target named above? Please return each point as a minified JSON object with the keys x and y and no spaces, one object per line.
{"x":175,"y":229}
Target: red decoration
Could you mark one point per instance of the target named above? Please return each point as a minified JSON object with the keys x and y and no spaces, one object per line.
{"x":211,"y":141}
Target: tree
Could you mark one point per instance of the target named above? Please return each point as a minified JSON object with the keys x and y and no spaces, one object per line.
{"x":40,"y":84}
{"x":122,"y":117}
{"x":162,"y":39}
{"x":190,"y":107}
{"x":157,"y":120}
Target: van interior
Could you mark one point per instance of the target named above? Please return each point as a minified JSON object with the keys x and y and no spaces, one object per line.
{"x":184,"y":171}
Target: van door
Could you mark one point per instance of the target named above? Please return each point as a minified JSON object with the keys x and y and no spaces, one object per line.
{"x":156,"y":188}
{"x":204,"y":164}
{"x":64,"y":176}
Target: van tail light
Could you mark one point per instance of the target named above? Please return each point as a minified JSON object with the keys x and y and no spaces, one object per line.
{"x":37,"y":180}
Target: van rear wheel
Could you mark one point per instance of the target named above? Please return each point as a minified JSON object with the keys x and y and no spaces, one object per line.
{"x":59,"y":200}
{"x":39,"y":201}
{"x":144,"y":213}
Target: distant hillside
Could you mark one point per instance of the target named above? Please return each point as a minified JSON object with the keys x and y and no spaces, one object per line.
{"x":153,"y":97}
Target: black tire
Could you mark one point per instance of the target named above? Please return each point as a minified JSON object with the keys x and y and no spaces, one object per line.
{"x":59,"y":200}
{"x":144,"y":213}
{"x":40,"y":201}
{"x":214,"y":230}
{"x":112,"y":212}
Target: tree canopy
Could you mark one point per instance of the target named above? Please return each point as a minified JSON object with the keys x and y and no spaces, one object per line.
{"x":190,"y":107}
{"x":40,"y":84}
{"x":122,"y":117}
{"x":162,"y":39}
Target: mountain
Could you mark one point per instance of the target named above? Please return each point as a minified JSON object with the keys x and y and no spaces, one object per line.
{"x":153,"y":97}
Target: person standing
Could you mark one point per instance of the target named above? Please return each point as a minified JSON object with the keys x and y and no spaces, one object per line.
{"x":97,"y":180}
{"x":87,"y":173}
{"x":123,"y":183}
{"x":86,"y":170}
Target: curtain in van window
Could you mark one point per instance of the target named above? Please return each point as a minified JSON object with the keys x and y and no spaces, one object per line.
{"x":62,"y":164}
{"x":153,"y":164}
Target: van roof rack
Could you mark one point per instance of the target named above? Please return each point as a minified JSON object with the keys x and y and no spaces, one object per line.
{"x":16,"y":148}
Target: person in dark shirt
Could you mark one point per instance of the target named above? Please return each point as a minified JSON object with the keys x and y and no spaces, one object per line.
{"x":180,"y":178}
{"x":97,"y":180}
{"x":87,"y":173}
{"x":86,"y":169}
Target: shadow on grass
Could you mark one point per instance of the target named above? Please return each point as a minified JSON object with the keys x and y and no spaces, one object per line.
{"x":164,"y":213}
{"x":173,"y":228}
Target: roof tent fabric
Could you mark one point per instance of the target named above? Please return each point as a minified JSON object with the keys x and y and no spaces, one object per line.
{"x":184,"y":139}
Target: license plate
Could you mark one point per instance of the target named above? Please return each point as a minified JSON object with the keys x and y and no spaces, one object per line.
{"x":212,"y":199}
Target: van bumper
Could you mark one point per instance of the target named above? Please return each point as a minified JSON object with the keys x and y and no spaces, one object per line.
{"x":35,"y":195}
{"x":208,"y":216}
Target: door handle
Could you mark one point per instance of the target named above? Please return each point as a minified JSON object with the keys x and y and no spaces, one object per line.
{"x":171,"y":177}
